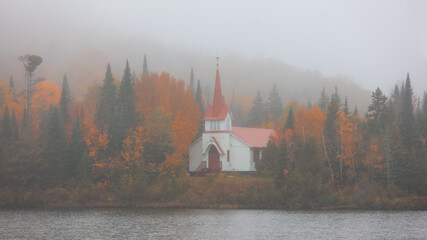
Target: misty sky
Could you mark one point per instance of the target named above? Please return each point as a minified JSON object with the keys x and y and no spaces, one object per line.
{"x":374,"y":43}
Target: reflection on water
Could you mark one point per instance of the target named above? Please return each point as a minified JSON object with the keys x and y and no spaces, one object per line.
{"x":210,"y":224}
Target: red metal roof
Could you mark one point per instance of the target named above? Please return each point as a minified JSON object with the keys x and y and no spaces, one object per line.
{"x":255,"y":137}
{"x":210,"y":114}
{"x":219,"y":146}
{"x":218,"y":110}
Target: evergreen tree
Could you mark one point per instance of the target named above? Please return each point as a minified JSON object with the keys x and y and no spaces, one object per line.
{"x":346,"y":109}
{"x":65,"y":101}
{"x":192,"y":80}
{"x":53,"y":146}
{"x":282,"y":163}
{"x":337,"y":97}
{"x":407,"y":124}
{"x":12,"y":87}
{"x":14,"y":127}
{"x":75,"y":152}
{"x":24,"y":119}
{"x":290,"y":120}
{"x":198,"y":98}
{"x":423,"y":131}
{"x":323,"y":101}
{"x":159,"y":137}
{"x":107,"y":101}
{"x":376,"y":110}
{"x":331,"y":133}
{"x":267,"y":166}
{"x":126,"y":114}
{"x":127,"y":98}
{"x":274,"y":104}
{"x":391,"y":144}
{"x":145,"y":71}
{"x":6,"y":133}
{"x":255,"y":115}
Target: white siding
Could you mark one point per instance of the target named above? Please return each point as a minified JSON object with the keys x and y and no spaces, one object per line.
{"x":218,"y":125}
{"x":240,"y":156}
{"x":195,"y":155}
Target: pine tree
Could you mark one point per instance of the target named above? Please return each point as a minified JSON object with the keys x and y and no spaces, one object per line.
{"x":255,"y":115}
{"x":282,"y":163}
{"x":107,"y":100}
{"x":127,"y":98}
{"x":12,"y":87}
{"x":376,"y":110}
{"x":424,"y":116}
{"x":331,"y":132}
{"x":198,"y":98}
{"x":192,"y":80}
{"x":6,"y":133}
{"x":24,"y":120}
{"x":75,"y":152}
{"x":346,"y":109}
{"x":391,"y":150}
{"x":407,"y":124}
{"x":14,"y":127}
{"x":126,"y":114}
{"x":65,"y":101}
{"x":323,"y":101}
{"x":145,"y":71}
{"x":337,"y":97}
{"x":274,"y":104}
{"x":53,"y":146}
{"x":290,"y":120}
{"x":268,"y":164}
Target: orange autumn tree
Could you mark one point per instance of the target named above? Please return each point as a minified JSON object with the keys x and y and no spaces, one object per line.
{"x":97,"y":144}
{"x":350,"y":141}
{"x":374,"y":161}
{"x":44,"y":94}
{"x":133,"y":148}
{"x":164,"y":92}
{"x":309,"y":123}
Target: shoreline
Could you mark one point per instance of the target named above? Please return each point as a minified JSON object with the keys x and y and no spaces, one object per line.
{"x":403,"y":204}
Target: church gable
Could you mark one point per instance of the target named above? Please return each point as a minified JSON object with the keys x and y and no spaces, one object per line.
{"x":213,"y":141}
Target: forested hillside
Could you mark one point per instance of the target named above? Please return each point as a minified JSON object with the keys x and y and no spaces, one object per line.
{"x":125,"y":142}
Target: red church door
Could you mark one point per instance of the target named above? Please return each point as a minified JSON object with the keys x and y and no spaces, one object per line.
{"x":214,"y":164}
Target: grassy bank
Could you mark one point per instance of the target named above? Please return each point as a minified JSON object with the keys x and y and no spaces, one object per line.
{"x":214,"y":191}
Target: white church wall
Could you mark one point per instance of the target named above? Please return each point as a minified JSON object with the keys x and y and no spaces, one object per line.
{"x":239,"y":156}
{"x":195,"y":155}
{"x":218,"y":125}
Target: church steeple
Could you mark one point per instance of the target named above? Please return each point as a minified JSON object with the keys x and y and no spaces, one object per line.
{"x":217,"y":100}
{"x":217,"y":117}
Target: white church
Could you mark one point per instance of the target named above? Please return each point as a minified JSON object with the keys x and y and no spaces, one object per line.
{"x":222,"y":147}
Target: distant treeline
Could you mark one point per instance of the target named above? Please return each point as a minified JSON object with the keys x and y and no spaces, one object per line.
{"x":126,"y":143}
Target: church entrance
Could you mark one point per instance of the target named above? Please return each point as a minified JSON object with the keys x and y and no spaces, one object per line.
{"x":214,"y":162}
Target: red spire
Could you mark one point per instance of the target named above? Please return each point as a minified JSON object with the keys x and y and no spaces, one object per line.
{"x":218,"y":110}
{"x":217,"y":101}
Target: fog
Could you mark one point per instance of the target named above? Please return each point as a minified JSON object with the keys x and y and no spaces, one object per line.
{"x":301,"y":46}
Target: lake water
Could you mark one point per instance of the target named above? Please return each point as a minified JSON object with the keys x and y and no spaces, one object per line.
{"x":131,"y":223}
